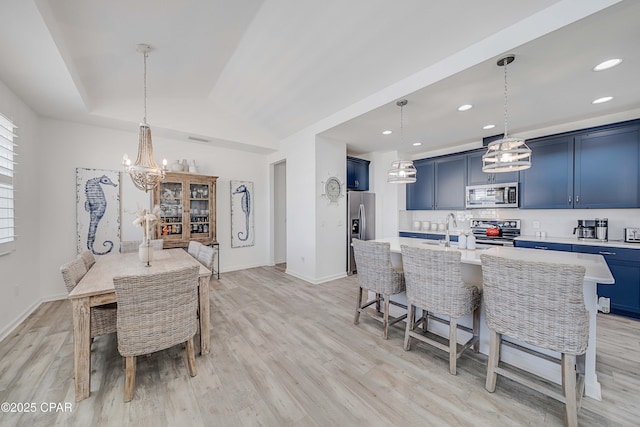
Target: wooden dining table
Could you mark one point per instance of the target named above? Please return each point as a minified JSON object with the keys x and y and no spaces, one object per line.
{"x":96,"y":288}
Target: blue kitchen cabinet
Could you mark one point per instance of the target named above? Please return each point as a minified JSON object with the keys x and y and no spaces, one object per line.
{"x":548,"y":183}
{"x":475,"y":175}
{"x":440,"y":184}
{"x":450,"y":182}
{"x":357,"y":174}
{"x":565,"y":247}
{"x":421,"y":194}
{"x":428,"y":236}
{"x":624,"y":264}
{"x":607,"y":168}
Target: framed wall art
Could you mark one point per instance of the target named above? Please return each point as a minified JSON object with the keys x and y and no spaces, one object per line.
{"x":97,"y":210}
{"x":242,"y":229}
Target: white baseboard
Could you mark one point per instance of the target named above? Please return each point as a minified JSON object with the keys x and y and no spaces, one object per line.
{"x":18,"y":320}
{"x":316,"y":281}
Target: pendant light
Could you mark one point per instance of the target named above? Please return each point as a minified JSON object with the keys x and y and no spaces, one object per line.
{"x":402,"y":171}
{"x":145,"y":172}
{"x":506,"y":154}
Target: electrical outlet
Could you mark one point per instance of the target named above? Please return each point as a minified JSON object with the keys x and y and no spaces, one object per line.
{"x":536,"y":224}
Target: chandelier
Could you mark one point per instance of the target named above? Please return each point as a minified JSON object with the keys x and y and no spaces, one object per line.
{"x":402,"y":171}
{"x":145,"y":172}
{"x":506,"y":154}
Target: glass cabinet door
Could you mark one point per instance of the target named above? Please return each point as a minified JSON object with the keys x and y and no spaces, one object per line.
{"x":199,"y":209}
{"x":171,"y":223}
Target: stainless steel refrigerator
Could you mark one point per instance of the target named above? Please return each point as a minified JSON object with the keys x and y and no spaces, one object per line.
{"x":361,"y":222}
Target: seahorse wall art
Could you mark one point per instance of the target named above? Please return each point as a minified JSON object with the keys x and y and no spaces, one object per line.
{"x":241,"y":224}
{"x":95,"y":205}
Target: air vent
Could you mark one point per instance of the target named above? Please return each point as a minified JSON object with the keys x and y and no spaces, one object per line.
{"x":195,"y":138}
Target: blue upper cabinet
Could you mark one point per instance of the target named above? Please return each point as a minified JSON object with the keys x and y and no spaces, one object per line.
{"x":607,"y":169}
{"x":421,"y":194}
{"x":548,"y":183}
{"x":450,"y":181}
{"x":475,"y":176}
{"x":440,"y":184}
{"x":357,"y":174}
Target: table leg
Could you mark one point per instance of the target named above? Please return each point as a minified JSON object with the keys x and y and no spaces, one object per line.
{"x":203,"y":297}
{"x":591,"y":383}
{"x":82,"y":347}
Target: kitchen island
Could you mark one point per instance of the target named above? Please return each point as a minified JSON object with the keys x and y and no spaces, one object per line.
{"x":597,"y":271}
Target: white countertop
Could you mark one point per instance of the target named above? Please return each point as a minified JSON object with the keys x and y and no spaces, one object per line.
{"x":576,"y":241}
{"x":597,"y":269}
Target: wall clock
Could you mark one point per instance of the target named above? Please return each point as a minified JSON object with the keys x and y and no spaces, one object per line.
{"x":333,"y":189}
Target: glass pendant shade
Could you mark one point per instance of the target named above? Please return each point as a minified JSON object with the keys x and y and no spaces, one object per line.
{"x":506,"y":155}
{"x":402,"y":172}
{"x":145,"y":172}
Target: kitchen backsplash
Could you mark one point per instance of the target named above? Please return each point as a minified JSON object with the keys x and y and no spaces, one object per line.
{"x":555,"y":222}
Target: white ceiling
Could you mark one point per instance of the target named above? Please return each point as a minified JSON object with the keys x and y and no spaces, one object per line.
{"x":250,"y":73}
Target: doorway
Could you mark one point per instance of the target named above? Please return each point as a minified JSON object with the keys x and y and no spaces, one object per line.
{"x":280,"y":213}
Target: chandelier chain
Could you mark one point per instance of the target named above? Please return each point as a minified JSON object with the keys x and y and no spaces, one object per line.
{"x":145,"y":88}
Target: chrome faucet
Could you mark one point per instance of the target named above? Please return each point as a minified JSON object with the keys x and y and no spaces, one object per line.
{"x":447,"y":238}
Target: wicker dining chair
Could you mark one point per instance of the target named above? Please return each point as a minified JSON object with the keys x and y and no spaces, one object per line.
{"x":157,"y":244}
{"x":541,"y":304}
{"x":207,"y":256}
{"x":193,"y":248}
{"x":376,"y":274}
{"x":434,"y":284}
{"x":103,"y":318}
{"x":128,"y":246}
{"x":88,"y":258}
{"x":156,"y":312}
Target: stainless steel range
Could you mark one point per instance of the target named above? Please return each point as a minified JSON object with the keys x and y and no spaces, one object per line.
{"x":499,"y":232}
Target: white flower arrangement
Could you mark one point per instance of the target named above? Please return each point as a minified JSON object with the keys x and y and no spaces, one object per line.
{"x":146,"y":219}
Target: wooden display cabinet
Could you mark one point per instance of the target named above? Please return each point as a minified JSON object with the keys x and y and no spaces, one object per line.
{"x":188,"y":209}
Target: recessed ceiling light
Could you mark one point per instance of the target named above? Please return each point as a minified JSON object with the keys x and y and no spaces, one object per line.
{"x":465,"y":107}
{"x":603,"y":99}
{"x":387,"y":132}
{"x":488,"y":127}
{"x":607,"y":64}
{"x":417,"y":144}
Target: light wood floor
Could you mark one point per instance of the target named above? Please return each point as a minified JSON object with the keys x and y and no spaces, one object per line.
{"x":285,"y":352}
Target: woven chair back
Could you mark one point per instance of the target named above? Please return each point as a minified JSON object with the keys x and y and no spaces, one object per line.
{"x":206,"y":256}
{"x":88,"y":258}
{"x":434,"y":281}
{"x":539,"y":303}
{"x":128,"y":246}
{"x":72,"y":272}
{"x":156,"y":311}
{"x":375,"y":272}
{"x":193,"y":248}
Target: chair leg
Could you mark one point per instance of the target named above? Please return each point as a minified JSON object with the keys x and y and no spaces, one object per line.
{"x":476,"y":329}
{"x":425,"y":319}
{"x":191,"y":358}
{"x":569,"y":388}
{"x":385,"y":318}
{"x":411,"y":313}
{"x":494,"y":357}
{"x":129,"y":378}
{"x":453,"y":344}
{"x":378,"y":297}
{"x":356,"y":319}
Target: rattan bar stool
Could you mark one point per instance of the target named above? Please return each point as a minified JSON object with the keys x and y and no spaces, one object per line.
{"x":541,"y":304}
{"x":375,"y":273}
{"x":434,"y":284}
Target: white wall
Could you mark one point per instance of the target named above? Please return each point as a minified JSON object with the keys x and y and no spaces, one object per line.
{"x":330,"y":227}
{"x":64,"y":146}
{"x":19,"y":282}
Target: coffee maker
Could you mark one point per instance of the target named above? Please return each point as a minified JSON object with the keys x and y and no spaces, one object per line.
{"x":586,"y":229}
{"x":596,"y":229}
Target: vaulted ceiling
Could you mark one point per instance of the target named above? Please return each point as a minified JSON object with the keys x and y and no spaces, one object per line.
{"x":253,"y":72}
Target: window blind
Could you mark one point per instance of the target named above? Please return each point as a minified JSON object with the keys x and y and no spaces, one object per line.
{"x":7,"y":163}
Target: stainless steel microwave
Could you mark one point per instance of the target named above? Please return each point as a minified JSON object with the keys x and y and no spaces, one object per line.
{"x":492,"y":196}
